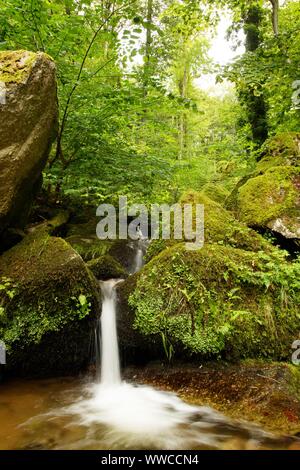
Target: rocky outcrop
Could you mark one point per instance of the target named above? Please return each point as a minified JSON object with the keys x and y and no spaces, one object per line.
{"x":237,"y":297}
{"x":220,"y":227}
{"x":49,"y":302}
{"x":84,"y":240}
{"x":269,"y":199}
{"x":28,"y":107}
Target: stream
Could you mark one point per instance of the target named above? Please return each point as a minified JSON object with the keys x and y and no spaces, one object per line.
{"x":109,"y":413}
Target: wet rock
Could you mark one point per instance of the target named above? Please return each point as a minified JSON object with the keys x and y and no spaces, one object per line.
{"x":254,"y":391}
{"x":106,"y":267}
{"x":28,"y":106}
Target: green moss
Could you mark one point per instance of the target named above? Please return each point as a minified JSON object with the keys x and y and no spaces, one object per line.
{"x":294,"y":380}
{"x":106,"y":267}
{"x":282,"y":148}
{"x":216,"y":192}
{"x":220,"y":301}
{"x":15,"y":66}
{"x":269,"y":196}
{"x":83,"y":238}
{"x":89,"y":248}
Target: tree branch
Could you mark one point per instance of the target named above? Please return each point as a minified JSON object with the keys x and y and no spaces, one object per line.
{"x":77,"y":82}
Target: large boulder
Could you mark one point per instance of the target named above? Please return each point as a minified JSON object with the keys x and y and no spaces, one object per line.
{"x":216,"y":302}
{"x":28,"y":107}
{"x":49,"y":303}
{"x":269,"y":199}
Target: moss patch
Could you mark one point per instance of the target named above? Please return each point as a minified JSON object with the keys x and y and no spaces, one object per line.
{"x":15,"y":66}
{"x":269,"y":196}
{"x":216,"y":192}
{"x":220,"y":227}
{"x":84,"y":240}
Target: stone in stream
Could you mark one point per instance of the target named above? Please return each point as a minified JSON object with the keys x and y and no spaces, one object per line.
{"x":28,"y":109}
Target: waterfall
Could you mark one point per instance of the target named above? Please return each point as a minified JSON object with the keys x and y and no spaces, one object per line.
{"x":140,"y":248}
{"x":110,"y":363}
{"x":138,"y":260}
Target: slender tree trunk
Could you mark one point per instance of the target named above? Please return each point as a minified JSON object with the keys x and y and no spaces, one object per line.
{"x":147,"y":66}
{"x":182,"y":128}
{"x":275,"y":16}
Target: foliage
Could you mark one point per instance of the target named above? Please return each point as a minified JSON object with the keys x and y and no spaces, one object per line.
{"x":116,"y":136}
{"x":272,"y":68}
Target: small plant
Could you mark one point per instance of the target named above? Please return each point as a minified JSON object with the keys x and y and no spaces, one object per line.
{"x":167,"y":345}
{"x":7,"y":293}
{"x":7,"y":287}
{"x":83,"y":305}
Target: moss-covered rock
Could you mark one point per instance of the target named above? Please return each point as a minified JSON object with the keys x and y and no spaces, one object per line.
{"x":84,"y":240}
{"x":220,"y":226}
{"x":270,"y":198}
{"x":28,"y":106}
{"x":49,"y":303}
{"x":106,"y":267}
{"x":219,"y":301}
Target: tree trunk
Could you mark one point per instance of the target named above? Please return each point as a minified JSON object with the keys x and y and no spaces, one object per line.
{"x":147,"y":65}
{"x":275,"y":16}
{"x":182,"y":128}
{"x":253,"y":101}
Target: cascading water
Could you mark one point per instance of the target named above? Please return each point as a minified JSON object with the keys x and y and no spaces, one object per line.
{"x":110,"y":364}
{"x":138,"y":262}
{"x":139,"y":247}
{"x":117,"y":415}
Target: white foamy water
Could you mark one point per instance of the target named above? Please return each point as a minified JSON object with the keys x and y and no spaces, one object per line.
{"x":137,"y":417}
{"x":110,"y":364}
